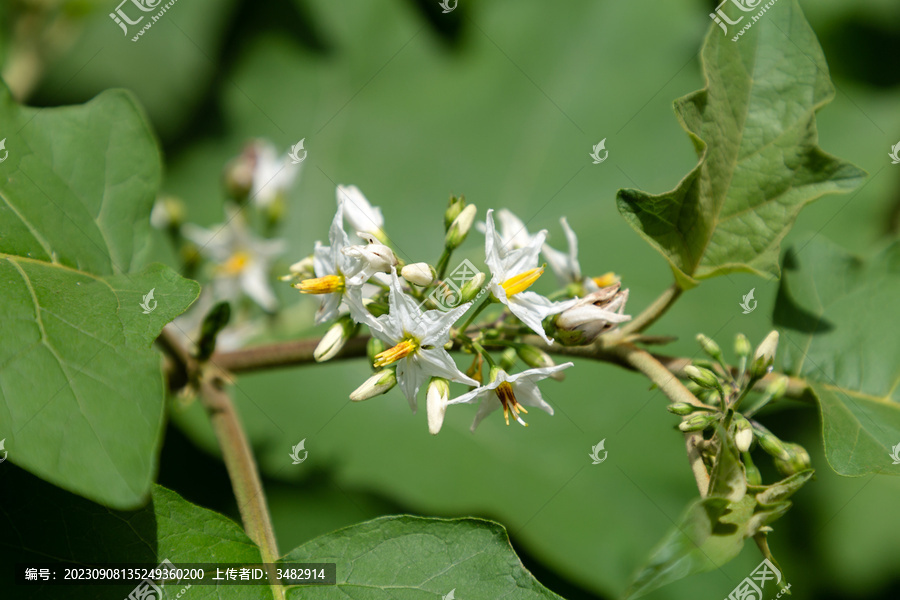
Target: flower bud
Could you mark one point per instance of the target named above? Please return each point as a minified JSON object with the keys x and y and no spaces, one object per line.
{"x":460,"y":227}
{"x":374,"y":347}
{"x":777,"y":388}
{"x":376,"y":257}
{"x":538,"y":359}
{"x":741,"y":346}
{"x":697,"y":423}
{"x":702,"y":377}
{"x":743,"y":434}
{"x":681,"y":408}
{"x":454,"y":207}
{"x":379,"y":383}
{"x":754,"y":477}
{"x":335,"y":338}
{"x":168,"y":213}
{"x":419,"y":273}
{"x":710,"y":347}
{"x":508,"y":359}
{"x":436,"y":403}
{"x":239,"y":173}
{"x":773,"y":447}
{"x":472,"y":288}
{"x":302,"y":269}
{"x":797,"y":460}
{"x":765,"y":356}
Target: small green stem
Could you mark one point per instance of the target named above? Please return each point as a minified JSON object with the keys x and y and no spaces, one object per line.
{"x":480,"y":349}
{"x":443,"y":261}
{"x":484,"y":304}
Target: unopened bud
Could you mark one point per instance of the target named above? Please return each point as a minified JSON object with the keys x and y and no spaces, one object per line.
{"x":702,"y":377}
{"x":536,"y":358}
{"x":743,"y":434}
{"x":773,"y":447}
{"x":741,"y":346}
{"x":681,"y":408}
{"x":754,"y":477}
{"x":419,"y":273}
{"x":777,"y":388}
{"x":508,"y":359}
{"x":765,"y":356}
{"x":797,"y":460}
{"x":302,"y":269}
{"x":436,"y":403}
{"x":472,"y":287}
{"x":709,"y":346}
{"x":168,"y":213}
{"x":335,"y":338}
{"x":454,"y":207}
{"x":379,"y":383}
{"x":460,"y":227}
{"x":697,"y":423}
{"x":239,"y":174}
{"x":374,"y":347}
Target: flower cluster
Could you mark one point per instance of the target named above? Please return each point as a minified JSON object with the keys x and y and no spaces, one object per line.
{"x":416,"y":312}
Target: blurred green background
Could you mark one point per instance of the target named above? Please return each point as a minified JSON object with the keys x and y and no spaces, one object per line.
{"x":500,"y":101}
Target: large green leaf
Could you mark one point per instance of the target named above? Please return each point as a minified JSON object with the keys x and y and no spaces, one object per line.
{"x":81,"y":389}
{"x":41,"y":523}
{"x":833,"y":311}
{"x":754,"y":128}
{"x":416,"y":557}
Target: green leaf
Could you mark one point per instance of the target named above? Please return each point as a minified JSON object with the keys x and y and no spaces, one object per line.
{"x":393,"y":557}
{"x":81,"y":389}
{"x":833,"y":313}
{"x":41,"y":523}
{"x":709,"y":534}
{"x":712,"y":531}
{"x":754,"y":129}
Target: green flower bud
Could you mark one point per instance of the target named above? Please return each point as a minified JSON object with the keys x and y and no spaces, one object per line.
{"x":765,"y":356}
{"x":379,"y":383}
{"x":454,"y":207}
{"x":697,"y":423}
{"x":777,"y":388}
{"x":472,"y":287}
{"x":333,"y":341}
{"x":374,"y":347}
{"x":460,"y":227}
{"x":681,"y":408}
{"x":538,"y":359}
{"x":709,"y":346}
{"x":773,"y":446}
{"x":754,"y":477}
{"x":702,"y":377}
{"x":742,"y":346}
{"x":508,"y":359}
{"x":797,"y":460}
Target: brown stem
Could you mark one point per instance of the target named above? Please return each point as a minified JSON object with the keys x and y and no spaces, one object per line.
{"x":236,"y":453}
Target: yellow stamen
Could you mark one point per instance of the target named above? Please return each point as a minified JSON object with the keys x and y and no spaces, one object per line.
{"x":321,"y":285}
{"x":507,"y":398}
{"x":522,"y":281}
{"x":392,"y":355}
{"x":235,"y":263}
{"x":606,"y":279}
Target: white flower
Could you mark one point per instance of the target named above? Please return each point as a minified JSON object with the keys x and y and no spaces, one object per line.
{"x":510,"y":392}
{"x":360,"y":215}
{"x":594,"y":314}
{"x":243,"y":260}
{"x":374,"y":257}
{"x":273,"y":175}
{"x":512,"y":272}
{"x":566,"y":266}
{"x":336,"y":276}
{"x":416,"y":342}
{"x":513,"y":233}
